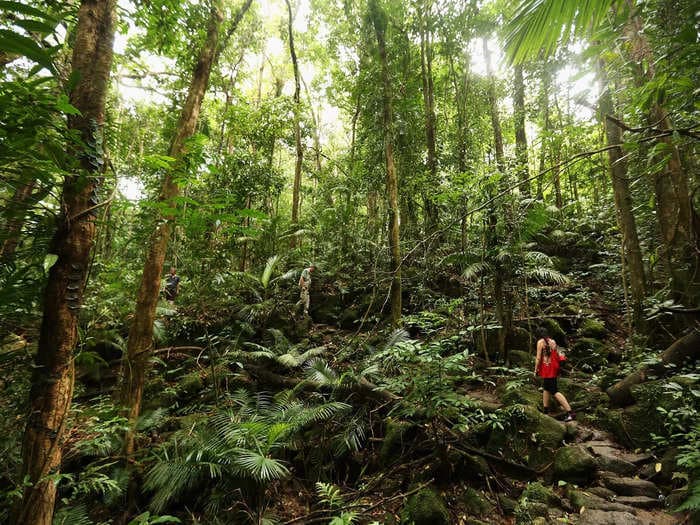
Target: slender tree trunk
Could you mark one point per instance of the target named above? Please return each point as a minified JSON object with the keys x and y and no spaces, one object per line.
{"x":52,"y":382}
{"x":296,"y":191}
{"x":426,"y":54}
{"x":623,"y":201}
{"x":392,"y":187}
{"x":546,"y":128}
{"x":140,"y":341}
{"x":520,"y":136}
{"x":502,"y":273}
{"x":15,"y":212}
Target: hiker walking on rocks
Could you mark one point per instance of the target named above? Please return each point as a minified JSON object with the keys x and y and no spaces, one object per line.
{"x":547,"y":364}
{"x":304,"y":286}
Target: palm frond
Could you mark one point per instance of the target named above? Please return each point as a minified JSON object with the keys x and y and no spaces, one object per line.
{"x":475,"y":270}
{"x":397,"y":336}
{"x":320,"y":372}
{"x":258,"y":467}
{"x":539,"y":25}
{"x":269,"y":268}
{"x":548,"y":275}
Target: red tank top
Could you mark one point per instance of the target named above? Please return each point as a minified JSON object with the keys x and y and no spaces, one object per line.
{"x":549,"y":366}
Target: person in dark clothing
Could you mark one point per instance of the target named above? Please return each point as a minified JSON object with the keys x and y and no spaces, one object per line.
{"x":172,"y":286}
{"x":547,"y":365}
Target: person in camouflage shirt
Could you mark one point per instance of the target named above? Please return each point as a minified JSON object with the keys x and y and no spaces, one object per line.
{"x":304,"y":287}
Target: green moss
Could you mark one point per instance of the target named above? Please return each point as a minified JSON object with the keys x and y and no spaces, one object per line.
{"x":475,"y":503}
{"x":392,"y":444}
{"x":516,"y":394}
{"x":590,"y":352}
{"x":554,"y":329}
{"x":521,"y":359}
{"x":425,"y":507}
{"x":574,"y":464}
{"x":529,"y":436}
{"x":593,"y":328}
{"x":538,"y":492}
{"x":190,"y":384}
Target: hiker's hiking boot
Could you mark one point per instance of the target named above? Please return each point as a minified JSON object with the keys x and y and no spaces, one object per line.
{"x":570,"y":416}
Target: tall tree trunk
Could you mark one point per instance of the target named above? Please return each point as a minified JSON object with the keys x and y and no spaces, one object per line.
{"x":52,"y":381}
{"x":502,"y":296}
{"x":673,"y":205}
{"x":426,"y":55}
{"x":379,"y":21}
{"x":520,"y":136}
{"x":15,"y":212}
{"x":623,"y":201}
{"x":140,"y":341}
{"x":546,"y":128}
{"x":296,"y":191}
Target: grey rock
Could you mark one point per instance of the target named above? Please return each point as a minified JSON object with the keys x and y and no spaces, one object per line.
{"x":630,"y":486}
{"x":640,"y":502}
{"x":602,"y":517}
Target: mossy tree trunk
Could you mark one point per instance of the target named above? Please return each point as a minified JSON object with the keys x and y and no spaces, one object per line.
{"x":53,"y":376}
{"x":379,"y":21}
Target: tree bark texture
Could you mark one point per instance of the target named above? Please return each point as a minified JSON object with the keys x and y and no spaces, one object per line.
{"x":673,"y":206}
{"x":140,"y":343}
{"x":519,"y":124}
{"x":15,"y":212}
{"x":546,"y":129}
{"x":52,"y":381}
{"x":623,"y":203}
{"x":426,"y":52}
{"x":296,"y":190}
{"x":379,"y":21}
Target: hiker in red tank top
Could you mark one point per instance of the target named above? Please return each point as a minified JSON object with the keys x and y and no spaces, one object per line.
{"x":547,"y":364}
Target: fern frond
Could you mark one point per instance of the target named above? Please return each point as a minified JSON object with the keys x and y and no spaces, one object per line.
{"x":253,"y":465}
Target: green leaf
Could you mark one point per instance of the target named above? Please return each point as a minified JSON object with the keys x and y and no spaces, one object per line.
{"x":63,"y":104}
{"x":15,"y":43}
{"x":49,"y":260}
{"x":24,"y":9}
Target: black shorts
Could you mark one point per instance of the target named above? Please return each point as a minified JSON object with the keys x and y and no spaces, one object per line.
{"x":550,"y":384}
{"x":170,"y":294}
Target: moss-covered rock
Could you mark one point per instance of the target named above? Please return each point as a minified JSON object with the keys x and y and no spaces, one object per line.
{"x":468,"y":466}
{"x":392,"y":445}
{"x":518,"y":394}
{"x":520,"y":339}
{"x":538,"y":492}
{"x":425,"y":507}
{"x":521,"y":359}
{"x":475,"y":503}
{"x":555,"y":331}
{"x":574,"y":464}
{"x":593,"y":328}
{"x":528,"y":511}
{"x":190,"y":384}
{"x":528,"y":436}
{"x":590,"y":352}
{"x":507,"y":504}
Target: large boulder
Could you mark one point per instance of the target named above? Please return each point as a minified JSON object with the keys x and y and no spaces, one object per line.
{"x":592,"y":328}
{"x":518,"y":394}
{"x":528,"y":436}
{"x":425,"y":507}
{"x":521,"y":359}
{"x":602,"y":517}
{"x":574,"y":464}
{"x":589,"y":353}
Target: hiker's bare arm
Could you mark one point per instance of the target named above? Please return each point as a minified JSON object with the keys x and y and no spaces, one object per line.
{"x":538,"y":358}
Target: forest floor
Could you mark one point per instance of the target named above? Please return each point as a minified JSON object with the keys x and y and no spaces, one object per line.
{"x":615,"y":486}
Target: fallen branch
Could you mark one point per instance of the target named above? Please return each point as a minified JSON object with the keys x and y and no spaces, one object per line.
{"x":688,"y":346}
